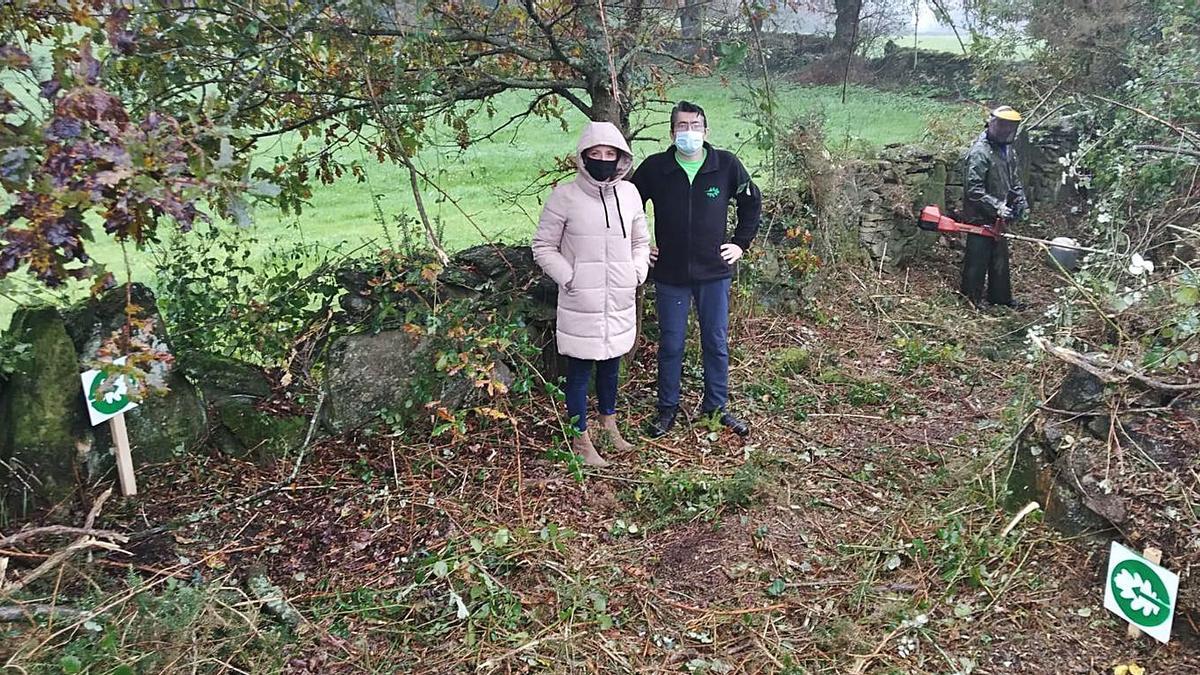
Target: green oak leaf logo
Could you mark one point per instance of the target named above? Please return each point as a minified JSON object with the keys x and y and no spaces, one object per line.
{"x":1140,"y":593}
{"x":713,"y":192}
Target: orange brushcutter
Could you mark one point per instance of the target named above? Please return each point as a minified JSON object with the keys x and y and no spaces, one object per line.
{"x":932,"y":220}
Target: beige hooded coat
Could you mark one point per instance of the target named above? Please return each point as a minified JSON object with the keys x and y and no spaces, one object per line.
{"x":592,"y":239}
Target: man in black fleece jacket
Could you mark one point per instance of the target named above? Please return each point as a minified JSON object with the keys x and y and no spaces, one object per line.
{"x":690,"y":185}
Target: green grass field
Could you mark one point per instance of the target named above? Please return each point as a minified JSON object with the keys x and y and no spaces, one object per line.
{"x":480,"y":176}
{"x":937,"y":43}
{"x":347,"y":212}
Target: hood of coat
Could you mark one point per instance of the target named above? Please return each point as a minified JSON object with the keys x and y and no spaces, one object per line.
{"x":603,"y":133}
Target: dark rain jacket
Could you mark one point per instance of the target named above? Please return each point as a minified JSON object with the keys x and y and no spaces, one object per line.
{"x":992,"y":171}
{"x":691,"y":219}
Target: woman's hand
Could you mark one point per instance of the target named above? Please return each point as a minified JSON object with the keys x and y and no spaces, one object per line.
{"x":653,"y":255}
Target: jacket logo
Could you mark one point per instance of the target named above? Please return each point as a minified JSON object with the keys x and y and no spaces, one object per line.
{"x":713,"y":192}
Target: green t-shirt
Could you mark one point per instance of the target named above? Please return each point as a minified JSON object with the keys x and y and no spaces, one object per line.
{"x":691,"y":168}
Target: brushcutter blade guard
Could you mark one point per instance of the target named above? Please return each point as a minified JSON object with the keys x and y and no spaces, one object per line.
{"x":932,"y":220}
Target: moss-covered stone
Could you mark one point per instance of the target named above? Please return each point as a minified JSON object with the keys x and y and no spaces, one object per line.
{"x":248,"y":432}
{"x":221,"y":377}
{"x":793,"y":360}
{"x":43,"y":424}
{"x":369,"y":374}
{"x":92,"y":322}
{"x":933,"y":189}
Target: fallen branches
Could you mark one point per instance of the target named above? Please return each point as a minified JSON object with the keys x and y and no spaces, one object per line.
{"x":60,"y":530}
{"x":261,"y":494}
{"x":1147,"y":147}
{"x":89,"y":539}
{"x":1105,"y":370}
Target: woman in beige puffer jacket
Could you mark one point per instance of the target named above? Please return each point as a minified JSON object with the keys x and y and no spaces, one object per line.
{"x":593,"y":241}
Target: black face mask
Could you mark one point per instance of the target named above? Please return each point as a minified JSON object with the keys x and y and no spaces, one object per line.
{"x":600,"y":169}
{"x":1002,"y":131}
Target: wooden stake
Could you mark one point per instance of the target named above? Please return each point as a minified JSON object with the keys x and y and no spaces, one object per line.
{"x":124,"y":458}
{"x":1154,"y":555}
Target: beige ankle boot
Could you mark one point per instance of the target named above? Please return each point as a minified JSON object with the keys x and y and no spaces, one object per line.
{"x":582,"y":446}
{"x":608,"y":424}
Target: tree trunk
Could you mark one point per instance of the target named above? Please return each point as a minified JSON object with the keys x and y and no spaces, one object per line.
{"x":691,"y":23}
{"x":845,"y":27}
{"x":606,"y":107}
{"x":603,"y":52}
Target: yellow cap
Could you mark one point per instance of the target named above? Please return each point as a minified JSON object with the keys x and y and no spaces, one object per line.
{"x":1006,"y":113}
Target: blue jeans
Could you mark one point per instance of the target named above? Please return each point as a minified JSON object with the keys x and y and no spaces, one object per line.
{"x":579,"y":374}
{"x":674,"y":304}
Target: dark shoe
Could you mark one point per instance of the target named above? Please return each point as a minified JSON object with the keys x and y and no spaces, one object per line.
{"x":733,"y":424}
{"x":665,"y":422}
{"x":1015,"y":305}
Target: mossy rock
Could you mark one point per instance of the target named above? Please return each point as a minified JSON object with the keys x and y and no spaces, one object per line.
{"x":371,"y":373}
{"x":221,"y":377}
{"x":248,"y":432}
{"x":834,"y":376}
{"x":933,"y":189}
{"x":793,"y":360}
{"x":43,"y":423}
{"x":93,"y":321}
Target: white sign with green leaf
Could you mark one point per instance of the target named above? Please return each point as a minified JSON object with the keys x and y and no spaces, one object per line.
{"x":107,"y":394}
{"x":1140,"y":592}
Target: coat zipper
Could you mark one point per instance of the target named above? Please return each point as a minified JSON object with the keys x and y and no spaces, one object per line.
{"x":607,"y":233}
{"x":689,"y":224}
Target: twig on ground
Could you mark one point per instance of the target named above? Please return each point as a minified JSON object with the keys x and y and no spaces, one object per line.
{"x":860,"y":666}
{"x":11,"y":613}
{"x":265,"y":492}
{"x":1029,"y":508}
{"x":88,"y":540}
{"x":60,"y":530}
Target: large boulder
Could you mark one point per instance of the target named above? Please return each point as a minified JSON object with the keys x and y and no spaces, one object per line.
{"x":249,"y":433}
{"x":368,"y":374}
{"x":220,"y":377}
{"x":462,"y":390}
{"x":1080,"y":391}
{"x":234,"y":392}
{"x":503,"y":281}
{"x":170,"y":420}
{"x":506,"y":278}
{"x":43,"y":425}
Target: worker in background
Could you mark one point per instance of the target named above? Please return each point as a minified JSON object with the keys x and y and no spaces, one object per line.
{"x":992,"y":197}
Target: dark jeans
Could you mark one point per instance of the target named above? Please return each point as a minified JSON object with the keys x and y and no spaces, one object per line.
{"x":579,"y":375}
{"x":674,"y":304}
{"x":986,"y":258}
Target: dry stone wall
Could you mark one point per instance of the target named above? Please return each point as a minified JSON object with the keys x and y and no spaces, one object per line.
{"x":891,"y":189}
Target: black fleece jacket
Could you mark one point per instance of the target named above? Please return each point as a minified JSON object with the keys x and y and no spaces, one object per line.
{"x":691,"y":219}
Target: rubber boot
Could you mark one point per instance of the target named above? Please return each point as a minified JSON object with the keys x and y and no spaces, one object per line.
{"x":608,"y":424}
{"x":582,"y":446}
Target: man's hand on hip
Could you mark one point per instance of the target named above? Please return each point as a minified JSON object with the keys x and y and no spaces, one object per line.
{"x":731,"y":253}
{"x":653,"y":255}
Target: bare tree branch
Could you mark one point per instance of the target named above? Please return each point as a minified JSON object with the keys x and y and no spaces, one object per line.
{"x":1146,"y":147}
{"x":1105,"y":370}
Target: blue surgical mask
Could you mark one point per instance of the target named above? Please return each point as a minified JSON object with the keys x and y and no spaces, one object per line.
{"x":689,"y":142}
